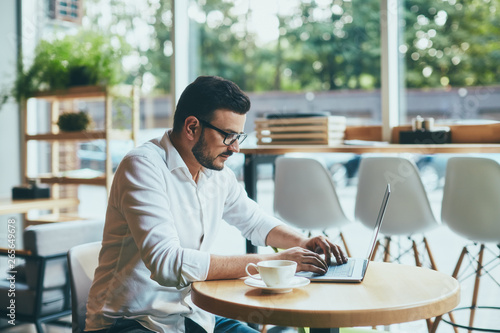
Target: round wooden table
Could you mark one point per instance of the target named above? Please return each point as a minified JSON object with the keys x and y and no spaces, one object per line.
{"x":389,"y":294}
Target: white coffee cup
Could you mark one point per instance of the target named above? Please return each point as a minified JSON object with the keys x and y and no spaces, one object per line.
{"x":274,"y":273}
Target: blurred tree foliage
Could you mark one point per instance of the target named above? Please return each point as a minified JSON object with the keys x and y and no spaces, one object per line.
{"x":222,"y":50}
{"x":147,"y":26}
{"x":454,"y":42}
{"x":324,"y":44}
{"x":334,"y":46}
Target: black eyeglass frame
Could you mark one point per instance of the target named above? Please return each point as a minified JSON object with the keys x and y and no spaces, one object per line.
{"x":240,"y":137}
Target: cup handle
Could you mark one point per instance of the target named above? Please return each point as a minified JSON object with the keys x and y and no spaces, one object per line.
{"x":248,"y":273}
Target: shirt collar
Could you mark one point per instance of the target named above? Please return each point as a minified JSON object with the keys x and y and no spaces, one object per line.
{"x":174,"y":159}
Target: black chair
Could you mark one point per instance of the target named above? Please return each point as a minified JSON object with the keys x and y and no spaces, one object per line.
{"x":42,"y":284}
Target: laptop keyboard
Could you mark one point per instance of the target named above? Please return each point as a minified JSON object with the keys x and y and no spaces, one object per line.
{"x":344,"y":270}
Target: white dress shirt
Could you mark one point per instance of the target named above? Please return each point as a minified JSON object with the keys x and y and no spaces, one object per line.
{"x":160,"y":226}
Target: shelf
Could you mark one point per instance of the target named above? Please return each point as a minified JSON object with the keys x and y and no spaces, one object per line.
{"x":53,"y":218}
{"x":116,"y":134}
{"x":84,"y":92}
{"x":73,"y":180}
{"x":81,"y":136}
{"x":9,"y":206}
{"x":69,"y":136}
{"x":72,"y":93}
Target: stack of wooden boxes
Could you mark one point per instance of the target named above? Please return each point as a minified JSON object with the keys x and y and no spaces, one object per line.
{"x":327,"y":130}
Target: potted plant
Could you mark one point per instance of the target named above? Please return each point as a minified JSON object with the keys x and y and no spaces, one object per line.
{"x":87,"y":58}
{"x":73,"y":121}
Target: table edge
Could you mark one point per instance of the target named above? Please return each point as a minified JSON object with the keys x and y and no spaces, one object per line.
{"x":323,"y":319}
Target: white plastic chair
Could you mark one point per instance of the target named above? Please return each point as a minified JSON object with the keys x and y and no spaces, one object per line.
{"x":471,"y":208}
{"x":409,"y":212}
{"x":82,"y":262}
{"x":305,"y":196}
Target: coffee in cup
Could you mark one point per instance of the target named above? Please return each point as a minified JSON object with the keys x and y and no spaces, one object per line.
{"x":274,"y":273}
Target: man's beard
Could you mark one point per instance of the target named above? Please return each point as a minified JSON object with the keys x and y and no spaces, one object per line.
{"x":200,"y":153}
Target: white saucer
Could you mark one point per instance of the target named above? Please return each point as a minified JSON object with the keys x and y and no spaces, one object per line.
{"x":297,"y":282}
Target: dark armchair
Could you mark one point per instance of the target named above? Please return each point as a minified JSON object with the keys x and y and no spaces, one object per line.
{"x":42,"y":287}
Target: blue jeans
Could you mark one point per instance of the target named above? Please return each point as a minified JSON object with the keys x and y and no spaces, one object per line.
{"x":124,"y":326}
{"x":222,"y":325}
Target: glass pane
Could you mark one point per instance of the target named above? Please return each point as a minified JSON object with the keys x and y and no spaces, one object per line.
{"x":146,"y":25}
{"x":452,"y":60}
{"x":293,"y":56}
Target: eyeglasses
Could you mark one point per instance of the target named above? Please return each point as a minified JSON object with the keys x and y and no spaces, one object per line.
{"x":229,"y":138}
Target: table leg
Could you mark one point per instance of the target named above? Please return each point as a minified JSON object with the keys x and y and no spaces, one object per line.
{"x":250,"y":175}
{"x":324,"y":330}
{"x":250,"y":172}
{"x":250,"y":180}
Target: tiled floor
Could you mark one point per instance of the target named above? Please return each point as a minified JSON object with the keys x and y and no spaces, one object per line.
{"x":446,"y":247}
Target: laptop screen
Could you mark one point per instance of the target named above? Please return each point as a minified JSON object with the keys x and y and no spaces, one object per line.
{"x":378,"y":223}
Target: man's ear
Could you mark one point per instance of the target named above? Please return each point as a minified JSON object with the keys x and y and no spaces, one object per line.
{"x":191,"y":127}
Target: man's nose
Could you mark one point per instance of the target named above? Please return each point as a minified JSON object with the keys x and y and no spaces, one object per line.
{"x":234,"y":147}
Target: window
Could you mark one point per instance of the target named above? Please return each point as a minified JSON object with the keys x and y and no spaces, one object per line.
{"x":450,"y":51}
{"x":69,"y":10}
{"x":290,"y":56}
{"x":318,"y":55}
{"x":294,"y":56}
{"x":147,"y":26}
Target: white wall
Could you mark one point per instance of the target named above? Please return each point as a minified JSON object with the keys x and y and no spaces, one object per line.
{"x":10,"y":173}
{"x":10,"y":166}
{"x":10,"y":129}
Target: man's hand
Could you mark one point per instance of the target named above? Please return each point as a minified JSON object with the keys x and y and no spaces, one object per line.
{"x":307,"y":260}
{"x":321,"y":244}
{"x":307,"y":251}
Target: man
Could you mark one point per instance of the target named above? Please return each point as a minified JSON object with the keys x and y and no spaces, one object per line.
{"x":167,"y":200}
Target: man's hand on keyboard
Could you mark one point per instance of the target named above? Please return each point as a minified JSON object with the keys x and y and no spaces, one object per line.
{"x":307,"y":260}
{"x":322,"y":245}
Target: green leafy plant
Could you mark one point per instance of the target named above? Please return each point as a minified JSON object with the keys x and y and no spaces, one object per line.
{"x":73,"y":121}
{"x":87,"y":58}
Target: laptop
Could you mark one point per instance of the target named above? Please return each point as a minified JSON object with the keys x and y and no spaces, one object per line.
{"x":355,"y":268}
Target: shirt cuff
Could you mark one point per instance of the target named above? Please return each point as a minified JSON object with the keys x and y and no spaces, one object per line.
{"x":259,"y":234}
{"x":195,"y":265}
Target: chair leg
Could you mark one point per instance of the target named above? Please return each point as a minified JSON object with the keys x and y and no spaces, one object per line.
{"x":38,"y":325}
{"x":454,"y":275}
{"x":437,"y":320}
{"x":459,"y":262}
{"x":377,"y":244}
{"x":419,"y":264}
{"x":430,"y":323}
{"x":429,"y":253}
{"x":387,"y":253}
{"x":416,"y":254}
{"x":476,"y":287}
{"x":345,"y":245}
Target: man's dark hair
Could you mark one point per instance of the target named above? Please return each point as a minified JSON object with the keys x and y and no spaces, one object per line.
{"x":207,"y":94}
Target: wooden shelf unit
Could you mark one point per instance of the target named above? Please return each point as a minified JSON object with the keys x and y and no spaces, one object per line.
{"x":56,"y":138}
